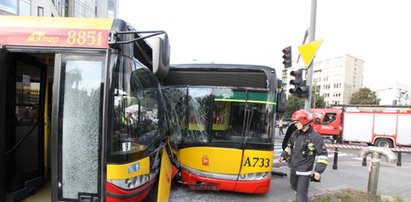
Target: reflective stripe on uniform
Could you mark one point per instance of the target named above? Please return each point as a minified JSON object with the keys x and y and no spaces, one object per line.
{"x":287,"y":149}
{"x":322,"y":159}
{"x":128,"y":121}
{"x":306,"y":173}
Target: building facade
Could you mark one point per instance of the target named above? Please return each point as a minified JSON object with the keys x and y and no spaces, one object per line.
{"x":337,"y":77}
{"x":395,"y":94}
{"x":60,"y":8}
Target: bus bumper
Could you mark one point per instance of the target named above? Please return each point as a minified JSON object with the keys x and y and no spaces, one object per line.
{"x":195,"y":182}
{"x":116,"y":194}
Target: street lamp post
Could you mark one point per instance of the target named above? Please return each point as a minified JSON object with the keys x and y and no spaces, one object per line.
{"x":311,"y":37}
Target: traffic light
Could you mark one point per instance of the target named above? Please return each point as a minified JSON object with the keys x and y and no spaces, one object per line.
{"x":300,"y":86}
{"x":287,"y":57}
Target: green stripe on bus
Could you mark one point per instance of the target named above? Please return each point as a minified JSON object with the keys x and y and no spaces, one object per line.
{"x":249,"y":101}
{"x":250,"y":96}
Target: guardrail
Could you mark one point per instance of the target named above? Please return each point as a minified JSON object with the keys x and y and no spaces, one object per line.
{"x":398,"y":150}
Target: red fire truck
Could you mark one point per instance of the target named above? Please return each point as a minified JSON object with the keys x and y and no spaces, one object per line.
{"x":383,"y":126}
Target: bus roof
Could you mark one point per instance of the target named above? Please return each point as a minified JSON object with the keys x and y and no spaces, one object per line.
{"x":55,"y":31}
{"x":217,"y":66}
{"x":228,"y":75}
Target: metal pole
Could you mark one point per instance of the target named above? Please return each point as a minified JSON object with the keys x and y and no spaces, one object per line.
{"x":335,"y":166}
{"x":373,"y":176}
{"x":399,"y":158}
{"x":374,"y":170}
{"x":311,"y":34}
{"x":305,"y":38}
{"x":314,"y":95}
{"x":364,"y":161}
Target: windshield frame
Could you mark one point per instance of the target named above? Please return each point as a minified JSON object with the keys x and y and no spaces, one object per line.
{"x":132,"y":82}
{"x":206,"y":127}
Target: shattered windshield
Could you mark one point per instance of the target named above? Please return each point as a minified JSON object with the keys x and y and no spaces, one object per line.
{"x":219,"y":115}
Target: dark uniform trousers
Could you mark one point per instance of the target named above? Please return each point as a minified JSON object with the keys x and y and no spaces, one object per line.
{"x":302,"y":150}
{"x":300,"y":184}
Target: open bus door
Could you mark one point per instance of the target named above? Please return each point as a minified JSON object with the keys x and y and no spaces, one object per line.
{"x":22,"y":135}
{"x":76,"y":137}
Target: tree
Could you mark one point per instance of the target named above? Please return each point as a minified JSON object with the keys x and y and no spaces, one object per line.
{"x":317,"y":101}
{"x":365,"y":96}
{"x":294,"y":103}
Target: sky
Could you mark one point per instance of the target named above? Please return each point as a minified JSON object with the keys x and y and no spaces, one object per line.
{"x":255,"y":32}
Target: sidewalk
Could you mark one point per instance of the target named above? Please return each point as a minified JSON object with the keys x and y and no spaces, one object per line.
{"x":393,"y":180}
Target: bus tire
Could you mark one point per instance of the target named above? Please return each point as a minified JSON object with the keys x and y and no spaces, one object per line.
{"x":383,"y":142}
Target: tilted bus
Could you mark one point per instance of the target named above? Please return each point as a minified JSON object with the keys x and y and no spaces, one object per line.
{"x":67,"y":85}
{"x":222,"y":125}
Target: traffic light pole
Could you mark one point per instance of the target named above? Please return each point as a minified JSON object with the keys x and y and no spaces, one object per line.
{"x":311,"y":34}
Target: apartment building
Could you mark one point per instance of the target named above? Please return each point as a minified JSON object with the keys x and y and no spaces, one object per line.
{"x":338,"y":78}
{"x":60,"y":8}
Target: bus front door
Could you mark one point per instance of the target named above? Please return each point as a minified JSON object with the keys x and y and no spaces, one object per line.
{"x":24,"y":128}
{"x":76,"y":139}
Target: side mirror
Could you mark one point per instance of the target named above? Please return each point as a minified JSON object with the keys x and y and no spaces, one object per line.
{"x":161,"y":56}
{"x":281,"y":102}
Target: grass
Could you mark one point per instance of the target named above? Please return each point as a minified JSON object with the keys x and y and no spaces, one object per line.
{"x":350,"y":195}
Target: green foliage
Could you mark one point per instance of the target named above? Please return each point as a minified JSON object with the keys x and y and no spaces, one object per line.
{"x":294,"y":103}
{"x":350,"y":195}
{"x":133,"y":101}
{"x":365,"y":96}
{"x":317,"y":101}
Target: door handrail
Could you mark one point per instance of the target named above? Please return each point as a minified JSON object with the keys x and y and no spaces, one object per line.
{"x":22,"y":140}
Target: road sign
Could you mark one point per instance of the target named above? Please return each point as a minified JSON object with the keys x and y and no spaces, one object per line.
{"x":308,"y":51}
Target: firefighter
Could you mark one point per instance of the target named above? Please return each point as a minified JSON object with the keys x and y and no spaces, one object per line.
{"x":127,"y":122}
{"x":303,"y":146}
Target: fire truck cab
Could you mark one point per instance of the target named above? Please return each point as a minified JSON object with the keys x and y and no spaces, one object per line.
{"x":328,"y":122}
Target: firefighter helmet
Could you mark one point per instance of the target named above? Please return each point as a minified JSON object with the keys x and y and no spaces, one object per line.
{"x":302,"y":116}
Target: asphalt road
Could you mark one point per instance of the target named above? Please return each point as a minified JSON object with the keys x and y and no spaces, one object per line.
{"x":393,"y":180}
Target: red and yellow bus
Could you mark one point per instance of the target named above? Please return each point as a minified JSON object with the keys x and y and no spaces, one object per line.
{"x":81,"y":106}
{"x":222,"y":125}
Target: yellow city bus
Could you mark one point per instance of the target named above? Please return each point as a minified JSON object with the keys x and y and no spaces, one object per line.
{"x":81,"y":107}
{"x":222,"y":125}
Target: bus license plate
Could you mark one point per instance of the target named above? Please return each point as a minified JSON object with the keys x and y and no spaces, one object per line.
{"x":211,"y":187}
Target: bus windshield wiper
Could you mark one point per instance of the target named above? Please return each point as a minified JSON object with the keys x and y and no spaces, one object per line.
{"x":248,"y":117}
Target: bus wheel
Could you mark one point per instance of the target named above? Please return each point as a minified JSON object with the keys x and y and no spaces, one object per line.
{"x":382,"y":142}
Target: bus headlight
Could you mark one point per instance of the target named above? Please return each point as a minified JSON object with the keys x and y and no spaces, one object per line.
{"x":254,"y":176}
{"x":132,"y":183}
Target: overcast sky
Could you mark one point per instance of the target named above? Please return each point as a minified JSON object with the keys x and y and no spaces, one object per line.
{"x":254,"y":32}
